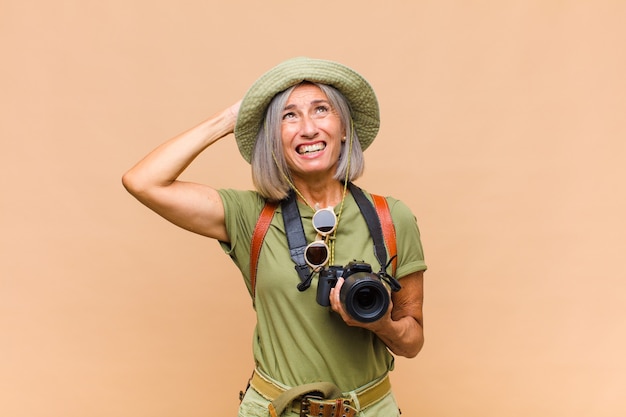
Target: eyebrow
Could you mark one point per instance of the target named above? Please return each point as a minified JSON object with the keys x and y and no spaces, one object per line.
{"x":314,"y":102}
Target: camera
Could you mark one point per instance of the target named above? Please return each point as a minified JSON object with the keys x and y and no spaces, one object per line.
{"x":363,"y":294}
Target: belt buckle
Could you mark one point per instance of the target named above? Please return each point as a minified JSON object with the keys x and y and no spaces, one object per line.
{"x":305,"y":403}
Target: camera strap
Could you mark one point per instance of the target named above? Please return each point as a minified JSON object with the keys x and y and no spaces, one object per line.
{"x":256,"y":243}
{"x":374,"y":214}
{"x":296,"y":239}
{"x":377,"y":216}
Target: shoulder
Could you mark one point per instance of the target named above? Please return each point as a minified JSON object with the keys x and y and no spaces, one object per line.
{"x":244,"y":201}
{"x":400,"y":212}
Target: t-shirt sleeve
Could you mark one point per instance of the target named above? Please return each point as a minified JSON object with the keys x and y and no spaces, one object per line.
{"x":241,"y":212}
{"x":410,"y":251}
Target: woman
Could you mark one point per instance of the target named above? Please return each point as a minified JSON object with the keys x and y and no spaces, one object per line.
{"x":303,"y":126}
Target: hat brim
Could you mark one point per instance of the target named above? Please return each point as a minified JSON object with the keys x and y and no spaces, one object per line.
{"x":358,"y":92}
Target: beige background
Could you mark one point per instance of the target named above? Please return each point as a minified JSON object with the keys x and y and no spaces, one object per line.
{"x":502,"y":127}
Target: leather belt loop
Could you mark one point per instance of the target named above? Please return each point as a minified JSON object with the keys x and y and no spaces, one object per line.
{"x":341,"y":407}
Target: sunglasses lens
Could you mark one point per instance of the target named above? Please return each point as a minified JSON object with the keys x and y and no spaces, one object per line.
{"x":316,"y":254}
{"x":324,"y":221}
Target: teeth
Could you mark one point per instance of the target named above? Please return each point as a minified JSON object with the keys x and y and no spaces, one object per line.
{"x":311,"y":148}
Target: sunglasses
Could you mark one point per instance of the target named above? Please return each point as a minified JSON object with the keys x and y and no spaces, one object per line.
{"x":317,"y":253}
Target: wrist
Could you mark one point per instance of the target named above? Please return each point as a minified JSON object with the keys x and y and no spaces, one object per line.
{"x":217,"y":126}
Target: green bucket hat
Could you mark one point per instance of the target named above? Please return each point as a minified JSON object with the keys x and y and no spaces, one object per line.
{"x":354,"y":87}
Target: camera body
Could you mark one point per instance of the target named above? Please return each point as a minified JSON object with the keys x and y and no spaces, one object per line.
{"x":363,"y":294}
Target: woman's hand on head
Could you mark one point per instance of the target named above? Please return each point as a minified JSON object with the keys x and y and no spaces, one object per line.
{"x":233,"y":112}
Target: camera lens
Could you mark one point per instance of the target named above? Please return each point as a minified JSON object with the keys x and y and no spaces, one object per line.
{"x":365,"y":297}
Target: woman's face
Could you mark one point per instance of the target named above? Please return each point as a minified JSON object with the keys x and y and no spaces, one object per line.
{"x":311,"y":132}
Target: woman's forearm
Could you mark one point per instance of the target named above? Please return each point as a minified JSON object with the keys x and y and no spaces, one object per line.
{"x":404,"y":337}
{"x":164,"y":164}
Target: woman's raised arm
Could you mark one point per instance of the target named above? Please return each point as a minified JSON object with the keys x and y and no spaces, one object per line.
{"x":154,"y":179}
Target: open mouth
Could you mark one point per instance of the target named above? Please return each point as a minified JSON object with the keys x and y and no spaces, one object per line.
{"x":311,"y":148}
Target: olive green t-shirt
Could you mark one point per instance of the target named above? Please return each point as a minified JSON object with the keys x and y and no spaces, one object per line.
{"x":296,"y":341}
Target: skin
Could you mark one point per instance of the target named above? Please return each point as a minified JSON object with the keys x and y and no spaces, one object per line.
{"x":308,"y":120}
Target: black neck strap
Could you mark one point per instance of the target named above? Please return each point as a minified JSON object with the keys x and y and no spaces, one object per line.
{"x":373,"y":223}
{"x":295,"y":236}
{"x":297,"y":240}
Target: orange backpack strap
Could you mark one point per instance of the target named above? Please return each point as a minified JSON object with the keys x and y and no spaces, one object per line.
{"x":389,"y":231}
{"x":260,"y":230}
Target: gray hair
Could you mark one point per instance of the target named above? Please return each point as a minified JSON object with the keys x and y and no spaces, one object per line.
{"x":269,"y":166}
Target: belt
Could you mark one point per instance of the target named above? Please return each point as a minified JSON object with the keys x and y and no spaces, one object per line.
{"x":313,"y":404}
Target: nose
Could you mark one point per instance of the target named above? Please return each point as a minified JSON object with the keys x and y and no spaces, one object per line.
{"x":308,"y":129}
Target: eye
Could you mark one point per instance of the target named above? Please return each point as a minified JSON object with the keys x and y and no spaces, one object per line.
{"x":322,"y":109}
{"x":289,"y":116}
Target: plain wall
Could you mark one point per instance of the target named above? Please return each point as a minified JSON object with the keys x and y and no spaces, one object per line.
{"x":502,"y":128}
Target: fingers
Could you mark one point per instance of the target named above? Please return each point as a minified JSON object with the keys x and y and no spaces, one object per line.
{"x":234,"y":109}
{"x":335,"y":302}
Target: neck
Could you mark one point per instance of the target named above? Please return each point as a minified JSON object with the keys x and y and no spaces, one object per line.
{"x":320,"y":194}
